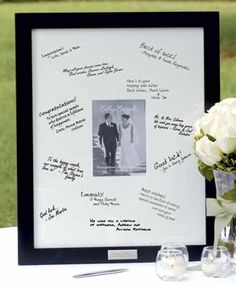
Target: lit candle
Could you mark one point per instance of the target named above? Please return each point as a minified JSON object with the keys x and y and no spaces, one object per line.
{"x":212,"y":267}
{"x":171,"y":267}
{"x":215,"y":261}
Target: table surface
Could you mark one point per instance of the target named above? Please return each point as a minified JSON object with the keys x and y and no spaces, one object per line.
{"x":61,"y":275}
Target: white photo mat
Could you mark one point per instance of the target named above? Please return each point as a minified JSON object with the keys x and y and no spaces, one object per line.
{"x":156,"y":77}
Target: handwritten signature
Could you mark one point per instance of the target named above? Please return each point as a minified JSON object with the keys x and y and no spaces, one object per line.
{"x":52,"y":212}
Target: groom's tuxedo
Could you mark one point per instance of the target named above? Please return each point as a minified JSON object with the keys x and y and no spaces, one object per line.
{"x":108,"y":134}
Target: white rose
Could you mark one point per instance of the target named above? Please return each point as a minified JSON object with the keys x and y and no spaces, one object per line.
{"x":207,"y":151}
{"x":227,"y":144}
{"x":211,"y":122}
{"x":230,"y":118}
{"x":224,"y":105}
{"x":226,"y":135}
{"x":229,"y":101}
{"x":220,"y":123}
{"x":197,"y":128}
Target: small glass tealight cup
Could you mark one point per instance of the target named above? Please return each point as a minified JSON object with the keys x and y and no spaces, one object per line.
{"x":233,"y":261}
{"x":170,"y":264}
{"x":179,"y":246}
{"x":215,"y":262}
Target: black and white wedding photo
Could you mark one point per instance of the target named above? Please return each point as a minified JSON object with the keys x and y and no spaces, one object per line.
{"x":119,"y":137}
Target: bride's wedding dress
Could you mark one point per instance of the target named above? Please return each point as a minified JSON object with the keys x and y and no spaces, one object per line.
{"x":128,"y":154}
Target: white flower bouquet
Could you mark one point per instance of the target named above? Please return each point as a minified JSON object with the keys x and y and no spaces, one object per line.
{"x":215,"y":139}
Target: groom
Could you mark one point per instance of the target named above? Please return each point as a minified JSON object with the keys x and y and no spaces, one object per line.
{"x":108,"y":135}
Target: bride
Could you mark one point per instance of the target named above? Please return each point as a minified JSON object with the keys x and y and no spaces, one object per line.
{"x":128,"y":155}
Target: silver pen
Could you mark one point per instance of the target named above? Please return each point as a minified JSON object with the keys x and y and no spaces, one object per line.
{"x":99,"y":273}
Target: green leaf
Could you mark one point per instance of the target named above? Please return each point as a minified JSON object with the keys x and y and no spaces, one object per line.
{"x":205,"y":170}
{"x":211,"y":138}
{"x":230,"y":195}
{"x":227,"y":163}
{"x":198,"y":137}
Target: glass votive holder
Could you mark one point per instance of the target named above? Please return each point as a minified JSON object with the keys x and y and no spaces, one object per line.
{"x":170,"y":264}
{"x":215,"y":262}
{"x":178,"y":246}
{"x":233,"y":261}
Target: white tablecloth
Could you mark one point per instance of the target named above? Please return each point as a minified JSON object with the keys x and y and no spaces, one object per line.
{"x":61,"y":275}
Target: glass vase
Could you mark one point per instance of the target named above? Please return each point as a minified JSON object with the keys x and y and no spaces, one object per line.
{"x":225,"y":182}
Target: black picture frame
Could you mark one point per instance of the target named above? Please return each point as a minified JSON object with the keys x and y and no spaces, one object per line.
{"x":25,"y":23}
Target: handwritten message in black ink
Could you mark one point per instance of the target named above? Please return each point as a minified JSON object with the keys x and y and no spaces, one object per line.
{"x":163,"y":207}
{"x":71,"y":171}
{"x":138,"y":86}
{"x":160,"y":54}
{"x":93,"y":70}
{"x":52,"y":213}
{"x":100,"y":199}
{"x":118,"y":224}
{"x":174,"y":124}
{"x":59,"y":52}
{"x":67,"y":115}
{"x":175,"y":159}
